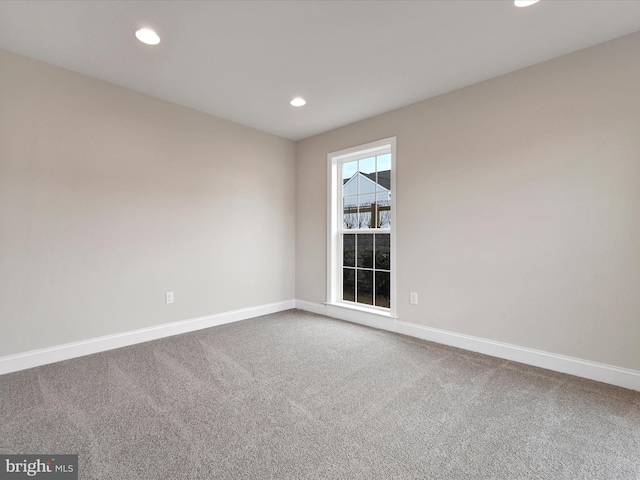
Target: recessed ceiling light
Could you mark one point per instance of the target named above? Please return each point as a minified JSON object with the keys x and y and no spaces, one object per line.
{"x":298,"y":102}
{"x":148,"y":36}
{"x":524,"y":3}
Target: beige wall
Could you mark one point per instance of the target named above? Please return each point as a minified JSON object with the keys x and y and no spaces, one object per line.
{"x":110,"y":198}
{"x":518,"y":206}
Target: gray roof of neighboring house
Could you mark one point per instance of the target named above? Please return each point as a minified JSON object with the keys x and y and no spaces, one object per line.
{"x":384,"y":178}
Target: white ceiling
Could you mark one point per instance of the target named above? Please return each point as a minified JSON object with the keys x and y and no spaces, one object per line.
{"x":245,"y":60}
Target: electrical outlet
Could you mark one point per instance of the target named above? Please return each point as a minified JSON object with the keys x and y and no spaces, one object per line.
{"x":413,"y":298}
{"x":168,"y":297}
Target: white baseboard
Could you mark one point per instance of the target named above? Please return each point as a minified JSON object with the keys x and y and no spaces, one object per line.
{"x":35,"y":358}
{"x":619,"y":376}
{"x":622,"y":377}
{"x":319,"y":308}
{"x":610,"y":374}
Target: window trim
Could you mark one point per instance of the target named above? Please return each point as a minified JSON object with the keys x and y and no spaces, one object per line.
{"x":334,"y":223}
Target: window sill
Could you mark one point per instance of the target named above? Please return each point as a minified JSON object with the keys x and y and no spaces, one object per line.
{"x":358,"y":308}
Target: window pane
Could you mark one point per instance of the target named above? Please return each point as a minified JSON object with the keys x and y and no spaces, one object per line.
{"x":365,"y":286}
{"x":349,"y":284}
{"x":384,"y":162}
{"x":350,"y":201}
{"x":384,"y":198}
{"x":350,"y":212}
{"x":367,"y":182}
{"x":349,"y":169}
{"x":349,"y":250}
{"x":366,"y":200}
{"x":365,"y":215}
{"x":367,"y":177}
{"x":383,"y":251}
{"x":383,"y":289}
{"x":350,"y":187}
{"x":384,"y":210}
{"x":365,"y":250}
{"x":383,"y":181}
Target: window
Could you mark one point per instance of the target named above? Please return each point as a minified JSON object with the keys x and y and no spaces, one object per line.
{"x":361,"y":263}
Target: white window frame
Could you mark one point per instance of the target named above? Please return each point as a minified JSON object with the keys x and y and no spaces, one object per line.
{"x":335,"y":220}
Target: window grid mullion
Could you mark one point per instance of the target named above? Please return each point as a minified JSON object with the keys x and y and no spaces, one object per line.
{"x":355,"y":273}
{"x":373,"y":274}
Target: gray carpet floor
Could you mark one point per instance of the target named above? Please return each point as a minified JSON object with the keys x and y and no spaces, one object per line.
{"x":295,"y":395}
